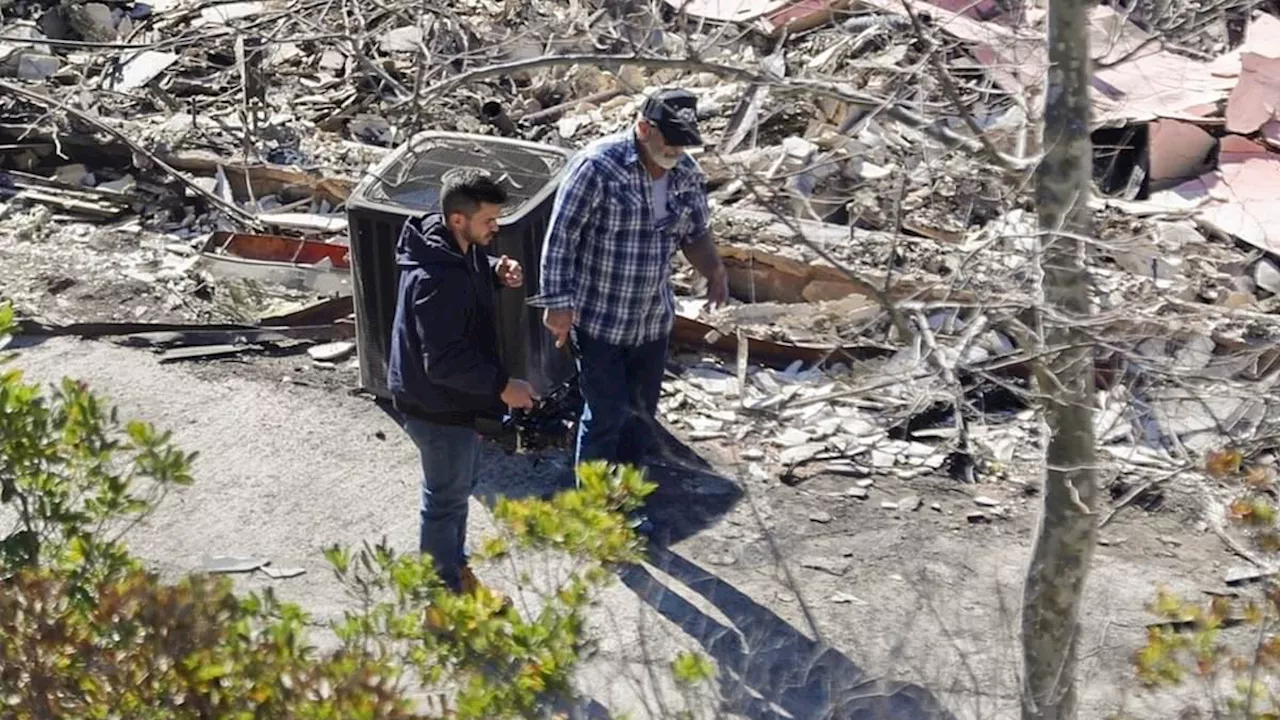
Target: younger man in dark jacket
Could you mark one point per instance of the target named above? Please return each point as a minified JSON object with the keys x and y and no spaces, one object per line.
{"x":445,"y":371}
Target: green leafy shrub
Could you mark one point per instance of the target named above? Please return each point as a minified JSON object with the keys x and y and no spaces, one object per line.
{"x":144,"y":649}
{"x":85,"y":632}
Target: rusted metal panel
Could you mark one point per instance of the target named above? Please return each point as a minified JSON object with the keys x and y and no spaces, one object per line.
{"x":292,"y":262}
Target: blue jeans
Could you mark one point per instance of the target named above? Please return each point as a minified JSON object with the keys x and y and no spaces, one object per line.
{"x":449,"y":456}
{"x":621,"y":386}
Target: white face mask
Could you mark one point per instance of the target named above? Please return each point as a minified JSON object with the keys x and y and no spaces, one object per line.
{"x":666,"y":162}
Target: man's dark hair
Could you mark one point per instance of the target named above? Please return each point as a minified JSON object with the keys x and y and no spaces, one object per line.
{"x":465,"y":188}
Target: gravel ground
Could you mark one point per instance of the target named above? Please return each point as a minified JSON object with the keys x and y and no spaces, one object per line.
{"x":791,"y":591}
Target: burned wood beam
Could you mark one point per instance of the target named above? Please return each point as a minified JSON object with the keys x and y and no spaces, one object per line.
{"x":185,"y":335}
{"x":696,"y":334}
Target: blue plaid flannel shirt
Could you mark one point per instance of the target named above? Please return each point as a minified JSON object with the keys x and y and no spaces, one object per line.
{"x":603,"y":255}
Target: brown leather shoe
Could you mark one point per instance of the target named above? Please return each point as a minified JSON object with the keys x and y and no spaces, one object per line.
{"x":471,"y":585}
{"x":468,"y":580}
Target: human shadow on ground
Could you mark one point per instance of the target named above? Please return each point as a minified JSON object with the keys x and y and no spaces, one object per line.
{"x":769,"y":670}
{"x":690,"y":495}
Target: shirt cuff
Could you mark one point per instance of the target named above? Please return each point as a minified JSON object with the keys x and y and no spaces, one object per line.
{"x":552,"y":302}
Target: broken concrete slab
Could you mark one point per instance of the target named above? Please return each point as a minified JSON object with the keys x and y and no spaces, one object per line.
{"x":792,"y":436}
{"x":224,"y":13}
{"x":1243,"y":575}
{"x":1199,"y":423}
{"x":1266,"y":275}
{"x":1141,"y":81}
{"x":93,"y":21}
{"x":405,"y":39}
{"x":332,"y":352}
{"x":1252,"y":103}
{"x":800,"y":454}
{"x":32,"y":65}
{"x":1241,"y":198}
{"x":142,"y":68}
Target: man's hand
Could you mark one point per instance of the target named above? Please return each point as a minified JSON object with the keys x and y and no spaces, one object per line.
{"x":510,"y":274}
{"x":718,"y":287}
{"x":559,"y":322}
{"x":518,"y":395}
{"x":704,"y":258}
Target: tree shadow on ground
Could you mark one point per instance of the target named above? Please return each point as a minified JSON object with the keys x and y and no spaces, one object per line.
{"x":20,"y":341}
{"x":769,"y":670}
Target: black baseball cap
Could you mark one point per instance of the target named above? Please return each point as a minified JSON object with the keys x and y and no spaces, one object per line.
{"x":675,"y":112}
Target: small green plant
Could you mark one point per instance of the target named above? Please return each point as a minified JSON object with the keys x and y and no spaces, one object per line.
{"x":85,"y":632}
{"x":690,"y":668}
{"x":75,"y":473}
{"x":500,"y":663}
{"x":1190,"y":638}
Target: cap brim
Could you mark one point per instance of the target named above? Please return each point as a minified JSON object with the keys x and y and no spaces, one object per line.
{"x":679,"y":134}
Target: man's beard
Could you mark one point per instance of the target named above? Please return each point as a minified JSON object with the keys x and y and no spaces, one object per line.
{"x":666,"y":162}
{"x":480,"y":239}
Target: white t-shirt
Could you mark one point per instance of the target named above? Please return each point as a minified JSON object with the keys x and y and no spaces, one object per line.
{"x":658,"y":189}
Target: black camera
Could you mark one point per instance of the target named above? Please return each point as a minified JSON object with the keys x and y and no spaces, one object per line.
{"x":550,"y":422}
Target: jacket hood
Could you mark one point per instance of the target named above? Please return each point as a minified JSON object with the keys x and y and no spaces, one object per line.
{"x":426,"y":241}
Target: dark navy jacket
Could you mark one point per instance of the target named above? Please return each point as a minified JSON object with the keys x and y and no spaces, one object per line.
{"x":444,"y":366}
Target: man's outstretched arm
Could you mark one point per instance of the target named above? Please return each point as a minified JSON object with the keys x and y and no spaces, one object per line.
{"x":699,"y":249}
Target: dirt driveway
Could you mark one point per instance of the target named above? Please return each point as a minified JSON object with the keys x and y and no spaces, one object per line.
{"x":804,"y":596}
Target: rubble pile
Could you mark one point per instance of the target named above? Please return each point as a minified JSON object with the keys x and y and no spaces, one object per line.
{"x":189,"y":160}
{"x":303,"y":83}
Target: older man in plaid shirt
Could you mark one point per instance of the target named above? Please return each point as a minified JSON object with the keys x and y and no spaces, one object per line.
{"x":627,"y":203}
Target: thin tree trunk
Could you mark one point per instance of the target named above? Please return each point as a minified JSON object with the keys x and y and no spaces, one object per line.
{"x":1069,"y":524}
